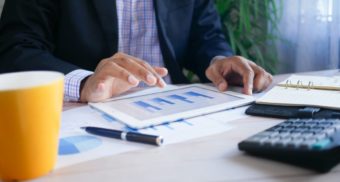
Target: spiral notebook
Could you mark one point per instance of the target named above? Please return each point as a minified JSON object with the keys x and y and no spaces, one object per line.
{"x":302,"y":90}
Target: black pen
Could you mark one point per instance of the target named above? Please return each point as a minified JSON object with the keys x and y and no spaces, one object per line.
{"x":125,"y":135}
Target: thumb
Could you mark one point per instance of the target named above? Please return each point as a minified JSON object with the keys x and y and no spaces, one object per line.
{"x":98,"y":90}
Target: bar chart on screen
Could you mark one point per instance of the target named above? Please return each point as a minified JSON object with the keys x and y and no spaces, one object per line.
{"x":155,"y":108}
{"x":181,"y":100}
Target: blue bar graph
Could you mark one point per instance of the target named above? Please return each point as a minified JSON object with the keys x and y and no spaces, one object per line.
{"x":195,"y":94}
{"x":147,"y":106}
{"x":157,"y":104}
{"x":162,"y":101}
{"x":181,"y":98}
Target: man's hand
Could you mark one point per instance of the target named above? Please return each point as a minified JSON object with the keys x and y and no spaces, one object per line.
{"x":237,"y":70}
{"x":118,"y":74}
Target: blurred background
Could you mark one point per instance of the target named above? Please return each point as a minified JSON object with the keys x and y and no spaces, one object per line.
{"x":284,"y":36}
{"x":1,"y":5}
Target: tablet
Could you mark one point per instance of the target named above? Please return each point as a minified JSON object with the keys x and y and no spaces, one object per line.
{"x":152,"y":109}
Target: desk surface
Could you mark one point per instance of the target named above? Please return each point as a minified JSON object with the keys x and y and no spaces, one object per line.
{"x":213,"y":158}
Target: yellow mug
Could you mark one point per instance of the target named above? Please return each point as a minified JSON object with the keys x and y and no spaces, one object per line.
{"x":30,"y":113}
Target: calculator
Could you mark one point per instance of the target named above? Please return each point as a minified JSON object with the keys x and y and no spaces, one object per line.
{"x":309,"y":143}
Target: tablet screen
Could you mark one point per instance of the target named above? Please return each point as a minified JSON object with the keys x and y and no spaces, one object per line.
{"x":152,"y":106}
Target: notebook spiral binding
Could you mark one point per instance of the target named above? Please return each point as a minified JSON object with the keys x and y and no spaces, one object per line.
{"x":310,"y":85}
{"x":288,"y":83}
{"x":299,"y":85}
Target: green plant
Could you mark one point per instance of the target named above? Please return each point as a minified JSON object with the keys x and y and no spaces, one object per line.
{"x":250,"y":27}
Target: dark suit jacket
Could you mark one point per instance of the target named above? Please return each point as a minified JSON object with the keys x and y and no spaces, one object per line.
{"x":64,"y":35}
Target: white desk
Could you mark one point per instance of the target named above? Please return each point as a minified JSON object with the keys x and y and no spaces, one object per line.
{"x":213,"y":158}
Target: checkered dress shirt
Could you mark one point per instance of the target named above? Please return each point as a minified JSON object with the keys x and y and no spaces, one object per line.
{"x":138,"y":37}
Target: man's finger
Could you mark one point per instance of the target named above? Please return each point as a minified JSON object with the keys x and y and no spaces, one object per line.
{"x":247,"y":73}
{"x":161,"y":71}
{"x":160,"y":82}
{"x":262,"y":78}
{"x":262,"y":81}
{"x":114,"y":70}
{"x":217,"y":78}
{"x":137,"y":70}
{"x":269,"y":80}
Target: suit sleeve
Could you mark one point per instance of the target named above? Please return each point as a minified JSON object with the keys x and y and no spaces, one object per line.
{"x":207,"y":39}
{"x":27,"y":33}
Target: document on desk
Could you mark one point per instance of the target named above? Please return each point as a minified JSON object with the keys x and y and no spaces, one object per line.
{"x":77,"y":146}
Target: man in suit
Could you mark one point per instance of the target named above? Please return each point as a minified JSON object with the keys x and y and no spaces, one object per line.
{"x":106,"y":47}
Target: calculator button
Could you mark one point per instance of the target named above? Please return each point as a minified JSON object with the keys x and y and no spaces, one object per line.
{"x":274,"y":134}
{"x":271,"y":142}
{"x":321,"y":144}
{"x":295,"y":142}
{"x":265,"y":133}
{"x":275,"y":128}
{"x":306,"y":120}
{"x":283,"y":142}
{"x":284,"y":134}
{"x":290,"y":127}
{"x":311,"y":140}
{"x":298,"y":131}
{"x":298,"y":141}
{"x":284,"y":131}
{"x":320,"y":136}
{"x":333,"y":120}
{"x":337,"y":126}
{"x":326,"y":122}
{"x":257,"y":139}
{"x":264,"y":140}
{"x":316,"y":130}
{"x":304,"y":127}
{"x":283,"y":125}
{"x":299,"y":122}
{"x":307,"y":144}
{"x":329,"y":131}
{"x":307,"y":132}
{"x":318,"y":127}
{"x":312,"y":123}
{"x":326,"y":125}
{"x":295,"y":135}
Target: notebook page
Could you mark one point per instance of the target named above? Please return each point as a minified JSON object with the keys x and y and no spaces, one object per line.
{"x":315,"y":82}
{"x":301,"y":97}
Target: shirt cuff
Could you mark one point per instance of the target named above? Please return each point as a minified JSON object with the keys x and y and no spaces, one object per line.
{"x":72,"y":84}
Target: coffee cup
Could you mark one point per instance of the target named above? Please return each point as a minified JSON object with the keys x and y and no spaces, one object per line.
{"x":30,"y":113}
